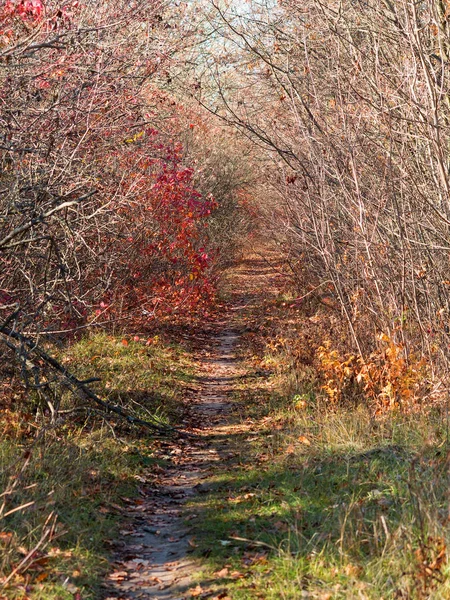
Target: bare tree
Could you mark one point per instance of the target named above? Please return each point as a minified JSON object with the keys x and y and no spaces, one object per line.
{"x":351,"y":102}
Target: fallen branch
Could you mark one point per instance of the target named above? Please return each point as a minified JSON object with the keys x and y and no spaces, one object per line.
{"x":76,"y":384}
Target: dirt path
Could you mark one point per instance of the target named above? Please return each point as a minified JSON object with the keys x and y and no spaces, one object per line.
{"x":155,"y":561}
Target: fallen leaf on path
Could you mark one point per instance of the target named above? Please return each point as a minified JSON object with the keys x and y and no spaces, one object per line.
{"x":222,"y":573}
{"x":195,"y":592}
{"x":118,"y":575}
{"x":137,"y":563}
{"x":128,"y":586}
{"x":304,"y":440}
{"x":136,"y":547}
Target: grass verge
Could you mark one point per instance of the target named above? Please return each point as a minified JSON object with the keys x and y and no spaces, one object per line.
{"x":332,"y":505}
{"x":63,"y":486}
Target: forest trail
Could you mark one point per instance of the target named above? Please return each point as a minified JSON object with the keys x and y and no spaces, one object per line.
{"x":154,"y":561}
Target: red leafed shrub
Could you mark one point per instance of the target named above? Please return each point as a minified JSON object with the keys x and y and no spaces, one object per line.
{"x":116,"y":201}
{"x":24,"y":9}
{"x":98,"y":211}
{"x":162,"y":258}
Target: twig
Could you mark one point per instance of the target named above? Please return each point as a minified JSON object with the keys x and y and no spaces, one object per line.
{"x":75,"y":383}
{"x":25,"y":227}
{"x":47,"y":534}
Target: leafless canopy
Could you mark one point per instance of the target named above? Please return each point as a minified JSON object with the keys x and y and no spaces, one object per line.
{"x":351,"y":99}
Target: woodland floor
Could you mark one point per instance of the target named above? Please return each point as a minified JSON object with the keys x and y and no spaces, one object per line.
{"x":268,"y":491}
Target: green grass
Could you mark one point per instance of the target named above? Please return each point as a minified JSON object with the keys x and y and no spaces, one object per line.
{"x":147,"y":379}
{"x":76,"y":476}
{"x":331,"y":504}
{"x":80,"y":471}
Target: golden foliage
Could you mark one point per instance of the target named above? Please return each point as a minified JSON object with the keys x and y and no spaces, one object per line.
{"x":387,"y":377}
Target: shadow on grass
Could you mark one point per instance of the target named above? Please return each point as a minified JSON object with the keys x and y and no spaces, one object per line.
{"x":82,"y":482}
{"x":343,"y":510}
